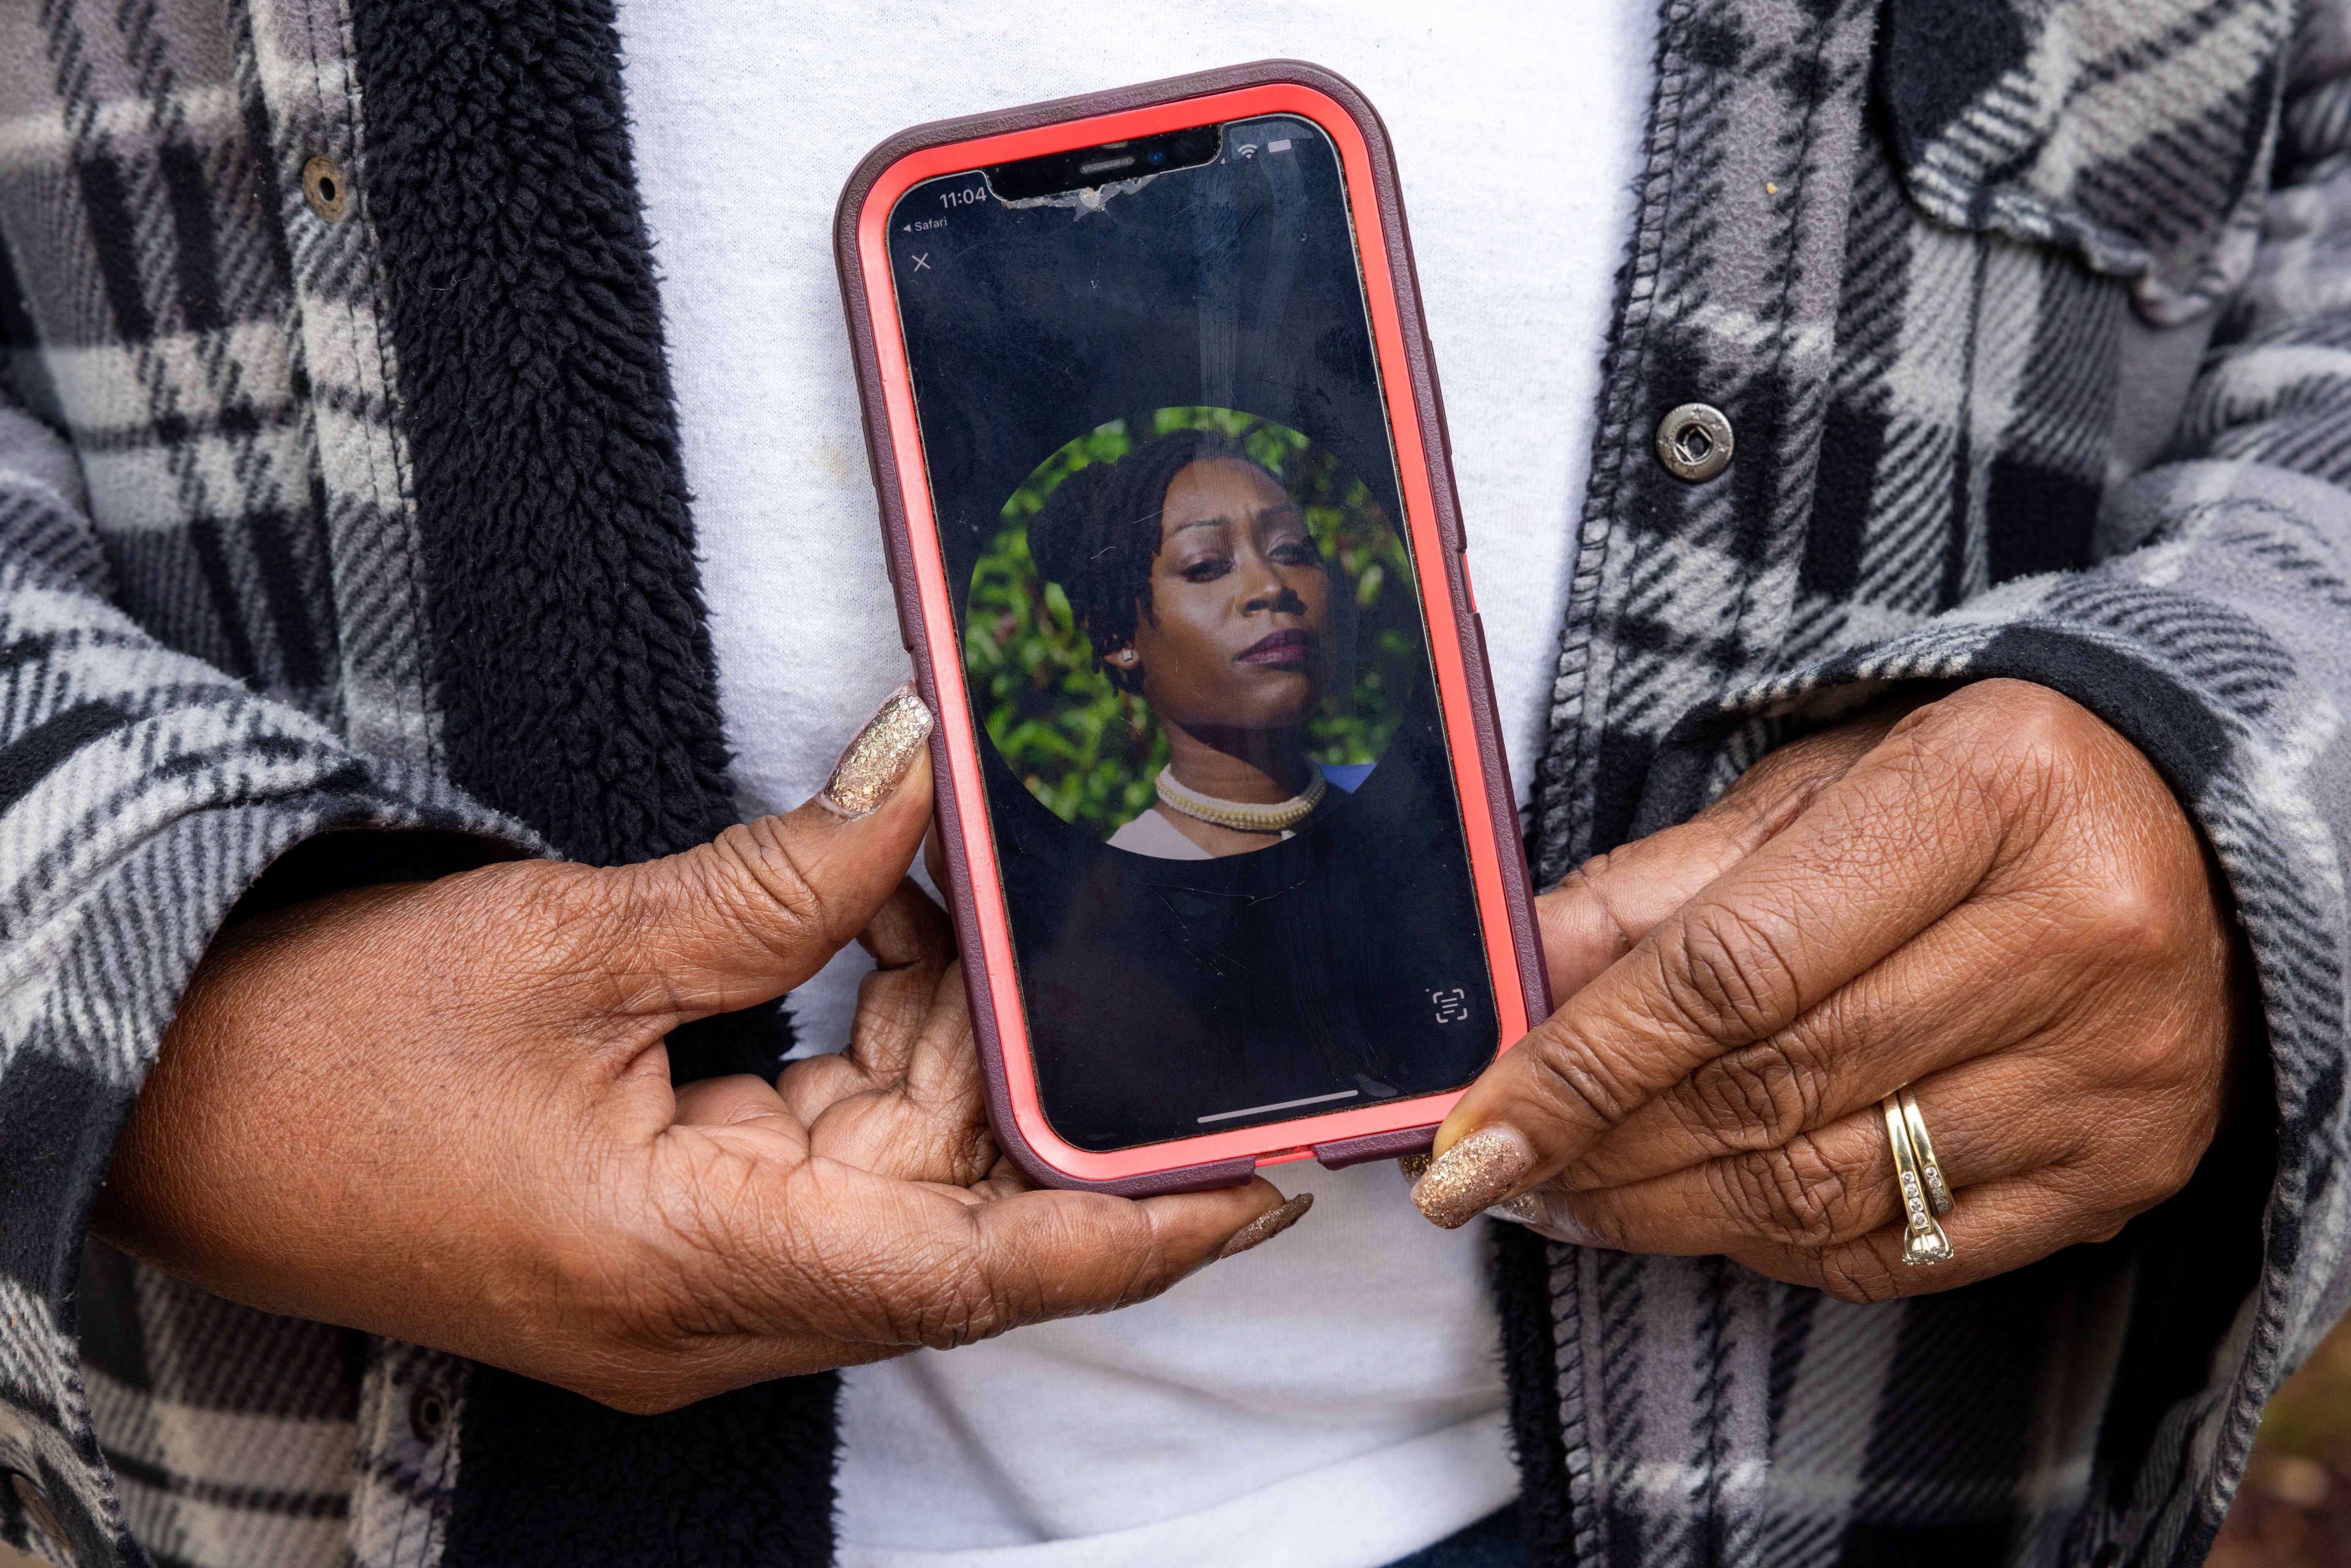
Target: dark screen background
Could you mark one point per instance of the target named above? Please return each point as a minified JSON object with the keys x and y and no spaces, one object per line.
{"x":1346,"y":960}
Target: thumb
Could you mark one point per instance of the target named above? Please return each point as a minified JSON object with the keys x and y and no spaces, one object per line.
{"x":1040,"y":1255}
{"x":763,"y":907}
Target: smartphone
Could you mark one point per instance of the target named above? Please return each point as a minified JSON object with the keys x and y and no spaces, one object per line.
{"x":1155,"y":426}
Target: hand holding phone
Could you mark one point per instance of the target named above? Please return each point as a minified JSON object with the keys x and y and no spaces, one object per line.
{"x":441,"y":1112}
{"x":1231,"y":847}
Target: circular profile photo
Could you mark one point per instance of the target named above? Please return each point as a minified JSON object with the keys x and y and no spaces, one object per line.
{"x":1194,"y":634}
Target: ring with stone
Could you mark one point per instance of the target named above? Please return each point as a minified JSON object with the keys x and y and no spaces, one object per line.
{"x":1922,"y":1241}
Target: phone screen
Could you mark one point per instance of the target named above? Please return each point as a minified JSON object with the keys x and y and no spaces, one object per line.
{"x":1225,"y":818}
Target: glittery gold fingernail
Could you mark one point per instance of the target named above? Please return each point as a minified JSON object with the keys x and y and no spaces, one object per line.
{"x":869,"y":771}
{"x":1416,"y":1167}
{"x":1472,"y":1175}
{"x":1267,"y":1226}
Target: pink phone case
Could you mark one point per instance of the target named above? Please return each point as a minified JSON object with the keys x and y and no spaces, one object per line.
{"x":1456,"y":641}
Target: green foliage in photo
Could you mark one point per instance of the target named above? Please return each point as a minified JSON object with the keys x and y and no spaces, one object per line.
{"x":1090,"y":751}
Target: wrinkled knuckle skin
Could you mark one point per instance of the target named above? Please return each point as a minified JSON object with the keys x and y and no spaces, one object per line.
{"x":1858,"y":1283}
{"x":1998,"y":734}
{"x":1780,"y":786}
{"x":1756,"y":1097}
{"x":940,"y":1296}
{"x":1587,"y":883}
{"x":970,"y":1313}
{"x":2126,"y":921}
{"x":1586,"y":878}
{"x":955,"y":1325}
{"x":559,"y":930}
{"x":1789,"y":1194}
{"x":751,"y":866}
{"x":1570,"y":1084}
{"x":2028,"y":720}
{"x":1725,"y":973}
{"x":1148,"y":1276}
{"x":564,"y":921}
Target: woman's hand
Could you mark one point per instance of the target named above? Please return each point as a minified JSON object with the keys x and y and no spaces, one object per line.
{"x":1993,"y":897}
{"x":441,"y":1112}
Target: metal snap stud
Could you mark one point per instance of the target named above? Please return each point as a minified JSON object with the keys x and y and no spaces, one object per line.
{"x":428,"y":1414}
{"x":36,"y":1507}
{"x":324,"y":187}
{"x":1693,"y":441}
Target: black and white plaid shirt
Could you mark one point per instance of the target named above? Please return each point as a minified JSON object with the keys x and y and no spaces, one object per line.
{"x":355,"y":519}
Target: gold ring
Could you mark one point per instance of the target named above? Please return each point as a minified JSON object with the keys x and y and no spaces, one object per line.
{"x":1923,"y":1241}
{"x":1931,"y":1170}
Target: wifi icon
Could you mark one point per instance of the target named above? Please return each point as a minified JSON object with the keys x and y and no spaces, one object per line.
{"x":1246,"y":149}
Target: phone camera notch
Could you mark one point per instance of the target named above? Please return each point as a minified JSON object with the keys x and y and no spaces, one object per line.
{"x":1086,"y":167}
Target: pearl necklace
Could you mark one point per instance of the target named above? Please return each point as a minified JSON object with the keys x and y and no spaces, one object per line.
{"x":1242,"y":816}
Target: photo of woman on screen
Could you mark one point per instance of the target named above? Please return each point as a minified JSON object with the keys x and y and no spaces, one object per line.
{"x":1194,"y":634}
{"x":1193,"y":573}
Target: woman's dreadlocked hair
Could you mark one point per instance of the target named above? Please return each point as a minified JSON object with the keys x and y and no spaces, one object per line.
{"x":1099,"y":531}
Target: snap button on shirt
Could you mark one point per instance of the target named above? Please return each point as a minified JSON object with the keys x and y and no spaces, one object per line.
{"x":428,"y":1415}
{"x":1693,"y":441}
{"x":324,"y":187}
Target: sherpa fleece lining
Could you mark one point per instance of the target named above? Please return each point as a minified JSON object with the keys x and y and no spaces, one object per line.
{"x":573,"y":668}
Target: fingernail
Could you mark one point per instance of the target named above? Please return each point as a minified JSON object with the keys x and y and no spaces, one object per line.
{"x":869,"y":771}
{"x":1267,"y":1226}
{"x":1472,"y":1176}
{"x":1416,"y":1167}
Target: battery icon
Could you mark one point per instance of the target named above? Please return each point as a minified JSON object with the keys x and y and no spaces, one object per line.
{"x":1281,"y":146}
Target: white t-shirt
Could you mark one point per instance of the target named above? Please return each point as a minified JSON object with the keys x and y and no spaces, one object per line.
{"x":1334,"y":1399}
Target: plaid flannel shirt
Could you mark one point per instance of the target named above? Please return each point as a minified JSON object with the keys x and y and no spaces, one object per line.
{"x":2034,"y":321}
